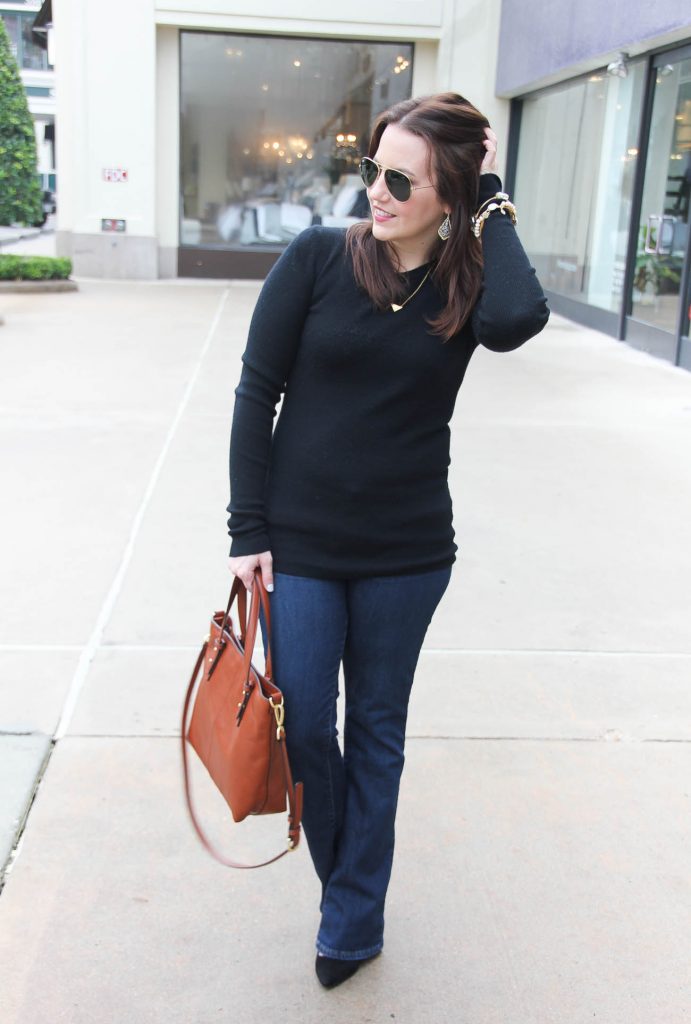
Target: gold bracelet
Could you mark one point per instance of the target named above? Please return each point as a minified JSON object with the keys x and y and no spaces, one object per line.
{"x":497,"y":195}
{"x":477,"y":223}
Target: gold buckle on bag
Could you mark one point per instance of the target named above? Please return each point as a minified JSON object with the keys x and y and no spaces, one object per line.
{"x":279,"y":712}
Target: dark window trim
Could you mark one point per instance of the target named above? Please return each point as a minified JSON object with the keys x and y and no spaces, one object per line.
{"x":227,"y":264}
{"x":42,"y":22}
{"x":297,"y":36}
{"x":680,"y":51}
{"x":637,"y":196}
{"x":515,"y":117}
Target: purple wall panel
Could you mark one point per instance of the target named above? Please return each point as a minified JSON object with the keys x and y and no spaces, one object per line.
{"x":542,"y":37}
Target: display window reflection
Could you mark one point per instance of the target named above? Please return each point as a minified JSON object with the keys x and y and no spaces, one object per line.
{"x":272,"y":130}
{"x":578,"y":190}
{"x":663,"y":229}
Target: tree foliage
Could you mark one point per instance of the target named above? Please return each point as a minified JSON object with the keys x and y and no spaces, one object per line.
{"x":20,"y":191}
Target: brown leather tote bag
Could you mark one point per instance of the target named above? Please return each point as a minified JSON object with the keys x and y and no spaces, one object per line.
{"x":237,"y":724}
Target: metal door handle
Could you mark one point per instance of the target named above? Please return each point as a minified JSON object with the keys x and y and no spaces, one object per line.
{"x":664,"y":245}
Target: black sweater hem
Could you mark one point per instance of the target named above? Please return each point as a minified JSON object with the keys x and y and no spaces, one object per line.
{"x":317,"y":572}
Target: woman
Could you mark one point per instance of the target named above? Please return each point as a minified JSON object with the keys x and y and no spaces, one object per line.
{"x":346,"y":508}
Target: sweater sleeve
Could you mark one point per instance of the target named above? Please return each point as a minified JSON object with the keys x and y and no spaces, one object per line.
{"x":511,"y":307}
{"x":273,"y":339}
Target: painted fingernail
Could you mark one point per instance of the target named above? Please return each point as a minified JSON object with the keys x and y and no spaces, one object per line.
{"x":270,"y":588}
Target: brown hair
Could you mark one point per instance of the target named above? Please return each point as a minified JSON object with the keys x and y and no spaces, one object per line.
{"x":454,"y":131}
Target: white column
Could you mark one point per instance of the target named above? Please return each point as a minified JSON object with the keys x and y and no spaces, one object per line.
{"x":425,"y":67}
{"x":105,"y":85}
{"x":167,"y":148}
{"x":468,"y":62}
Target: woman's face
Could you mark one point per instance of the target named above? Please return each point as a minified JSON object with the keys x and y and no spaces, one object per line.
{"x":411,"y":227}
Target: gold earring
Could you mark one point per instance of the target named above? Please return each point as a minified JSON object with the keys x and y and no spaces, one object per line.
{"x":444,"y":229}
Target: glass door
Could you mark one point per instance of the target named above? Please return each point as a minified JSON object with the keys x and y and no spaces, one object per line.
{"x":663,"y":229}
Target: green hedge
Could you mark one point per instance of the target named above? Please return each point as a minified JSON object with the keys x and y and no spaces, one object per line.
{"x":34,"y":268}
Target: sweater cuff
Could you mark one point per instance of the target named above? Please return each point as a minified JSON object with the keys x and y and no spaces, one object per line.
{"x":255,"y":544}
{"x":489,"y":184}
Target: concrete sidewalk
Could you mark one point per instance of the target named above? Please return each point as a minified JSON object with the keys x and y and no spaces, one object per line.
{"x":542,"y":870}
{"x":23,"y":241}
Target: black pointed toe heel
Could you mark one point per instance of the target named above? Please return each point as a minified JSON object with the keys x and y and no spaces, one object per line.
{"x":332,"y":972}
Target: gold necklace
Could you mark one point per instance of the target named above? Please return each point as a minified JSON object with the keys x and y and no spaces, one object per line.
{"x":394,"y":305}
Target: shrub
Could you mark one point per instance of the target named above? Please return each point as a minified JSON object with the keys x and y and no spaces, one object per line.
{"x":20,"y":191}
{"x":34,"y":268}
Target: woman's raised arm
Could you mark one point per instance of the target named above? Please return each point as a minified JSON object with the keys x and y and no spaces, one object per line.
{"x":512,"y":306}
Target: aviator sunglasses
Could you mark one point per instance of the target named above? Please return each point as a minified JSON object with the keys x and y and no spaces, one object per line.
{"x":399,"y":184}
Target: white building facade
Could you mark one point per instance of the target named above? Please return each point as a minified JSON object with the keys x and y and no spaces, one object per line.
{"x":199,"y":137}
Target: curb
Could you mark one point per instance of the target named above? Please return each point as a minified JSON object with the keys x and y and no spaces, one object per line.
{"x":21,"y":237}
{"x":38,"y":286}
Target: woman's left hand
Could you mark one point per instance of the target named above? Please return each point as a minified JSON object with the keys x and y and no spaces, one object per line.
{"x":489,"y":163}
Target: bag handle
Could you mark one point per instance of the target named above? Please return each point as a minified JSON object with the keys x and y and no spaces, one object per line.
{"x":238,"y":590}
{"x":293,"y":791}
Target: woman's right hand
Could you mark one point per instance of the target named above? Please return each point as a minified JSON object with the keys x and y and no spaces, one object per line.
{"x":244,"y":566}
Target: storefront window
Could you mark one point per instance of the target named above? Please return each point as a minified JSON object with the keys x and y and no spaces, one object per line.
{"x":272,"y":130}
{"x":26,"y":50}
{"x":574,"y":182}
{"x":33,"y":55}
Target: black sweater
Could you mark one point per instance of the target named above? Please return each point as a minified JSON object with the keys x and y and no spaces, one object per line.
{"x":353,"y":481}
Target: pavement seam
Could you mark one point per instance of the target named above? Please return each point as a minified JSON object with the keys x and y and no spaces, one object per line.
{"x":19,"y":835}
{"x":40,"y":647}
{"x":471,"y":651}
{"x":608,"y":736}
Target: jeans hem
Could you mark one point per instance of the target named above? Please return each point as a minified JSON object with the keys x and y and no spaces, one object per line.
{"x":349,"y":954}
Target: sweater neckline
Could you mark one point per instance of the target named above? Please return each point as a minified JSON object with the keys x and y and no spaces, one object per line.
{"x":416,"y":270}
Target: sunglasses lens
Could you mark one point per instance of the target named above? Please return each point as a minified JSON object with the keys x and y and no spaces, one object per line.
{"x":398,"y":185}
{"x":369,"y":171}
{"x":396,"y":181}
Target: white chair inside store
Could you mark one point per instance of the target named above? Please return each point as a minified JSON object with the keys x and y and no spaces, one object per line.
{"x":190,"y":228}
{"x":261,"y":222}
{"x":190,"y":231}
{"x":295,"y":218}
{"x":273,"y":222}
{"x":229,"y":221}
{"x":344,"y":198}
{"x":268,"y":222}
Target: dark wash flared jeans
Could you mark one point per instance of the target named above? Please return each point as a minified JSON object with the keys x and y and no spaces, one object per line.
{"x":375,"y":627}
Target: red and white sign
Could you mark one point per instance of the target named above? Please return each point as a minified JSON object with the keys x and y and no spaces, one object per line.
{"x":113,"y":224}
{"x":115,"y":174}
